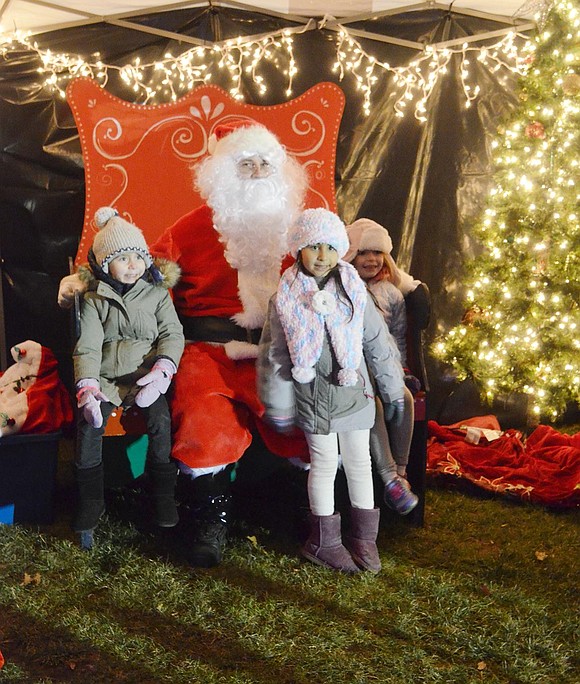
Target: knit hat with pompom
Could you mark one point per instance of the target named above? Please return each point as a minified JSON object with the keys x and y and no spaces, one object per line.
{"x":316,"y":226}
{"x":115,"y":237}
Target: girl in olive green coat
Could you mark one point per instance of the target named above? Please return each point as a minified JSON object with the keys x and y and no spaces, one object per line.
{"x":130,"y":344}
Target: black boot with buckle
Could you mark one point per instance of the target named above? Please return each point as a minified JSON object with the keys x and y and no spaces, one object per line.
{"x":209,"y":502}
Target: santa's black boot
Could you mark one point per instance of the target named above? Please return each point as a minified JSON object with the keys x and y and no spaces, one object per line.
{"x":209,"y":503}
{"x":91,"y":503}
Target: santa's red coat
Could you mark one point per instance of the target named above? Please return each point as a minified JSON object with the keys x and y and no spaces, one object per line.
{"x":215,"y":404}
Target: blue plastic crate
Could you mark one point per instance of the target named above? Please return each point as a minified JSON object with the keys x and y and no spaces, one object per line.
{"x":7,"y":514}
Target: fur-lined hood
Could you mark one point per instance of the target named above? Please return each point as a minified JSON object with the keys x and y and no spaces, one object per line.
{"x":169,"y":271}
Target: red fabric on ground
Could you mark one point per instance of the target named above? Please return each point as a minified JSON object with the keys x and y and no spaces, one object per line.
{"x":544,"y":468}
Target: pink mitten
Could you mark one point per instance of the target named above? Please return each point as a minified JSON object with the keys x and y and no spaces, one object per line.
{"x":155,"y":383}
{"x":89,"y":398}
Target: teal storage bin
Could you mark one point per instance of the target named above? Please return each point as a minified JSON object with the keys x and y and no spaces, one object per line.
{"x":124,"y":459}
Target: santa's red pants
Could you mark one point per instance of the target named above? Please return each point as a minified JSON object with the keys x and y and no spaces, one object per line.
{"x":214,"y":408}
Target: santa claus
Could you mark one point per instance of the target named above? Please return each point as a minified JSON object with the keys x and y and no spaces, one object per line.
{"x":230,"y":251}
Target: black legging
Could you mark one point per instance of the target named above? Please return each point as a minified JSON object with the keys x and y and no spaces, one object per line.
{"x":89,"y":452}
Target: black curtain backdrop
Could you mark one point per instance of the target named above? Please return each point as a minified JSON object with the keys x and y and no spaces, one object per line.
{"x":426,"y":183}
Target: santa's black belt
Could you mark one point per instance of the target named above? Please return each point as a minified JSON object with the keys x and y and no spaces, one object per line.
{"x":216,"y":329}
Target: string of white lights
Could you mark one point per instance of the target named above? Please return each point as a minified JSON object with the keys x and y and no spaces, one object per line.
{"x":416,"y":81}
{"x":173,"y":76}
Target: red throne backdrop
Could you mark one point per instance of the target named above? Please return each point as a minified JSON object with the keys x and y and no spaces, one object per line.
{"x":138,"y":158}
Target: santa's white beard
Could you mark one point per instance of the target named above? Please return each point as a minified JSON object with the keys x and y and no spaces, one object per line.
{"x":260,"y":244}
{"x":252,"y":223}
{"x":252,"y":217}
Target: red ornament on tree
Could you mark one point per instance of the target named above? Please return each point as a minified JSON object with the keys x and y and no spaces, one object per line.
{"x":472,"y":315}
{"x":529,"y":60}
{"x":535,"y":130}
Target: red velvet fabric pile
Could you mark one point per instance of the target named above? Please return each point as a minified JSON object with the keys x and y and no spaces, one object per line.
{"x":544,"y":468}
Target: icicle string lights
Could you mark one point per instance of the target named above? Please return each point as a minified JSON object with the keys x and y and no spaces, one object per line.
{"x":415,"y":83}
{"x":172,"y":77}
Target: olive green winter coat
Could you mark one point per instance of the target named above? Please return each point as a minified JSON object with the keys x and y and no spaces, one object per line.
{"x":122,"y":336}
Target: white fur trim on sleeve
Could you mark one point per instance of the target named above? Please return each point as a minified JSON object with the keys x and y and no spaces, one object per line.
{"x":407,"y":283}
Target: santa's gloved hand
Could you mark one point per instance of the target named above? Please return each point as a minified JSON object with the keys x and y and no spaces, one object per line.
{"x":155,"y":383}
{"x":394,"y":411}
{"x":89,"y":398}
{"x":412,"y":383}
{"x":282,"y":424}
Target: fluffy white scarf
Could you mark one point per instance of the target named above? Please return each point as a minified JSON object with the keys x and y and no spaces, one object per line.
{"x":305,"y":312}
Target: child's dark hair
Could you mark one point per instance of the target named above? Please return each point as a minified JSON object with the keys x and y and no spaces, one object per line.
{"x":334,"y":274}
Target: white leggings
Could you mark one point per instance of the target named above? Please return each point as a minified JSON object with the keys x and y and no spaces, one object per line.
{"x":356,"y":460}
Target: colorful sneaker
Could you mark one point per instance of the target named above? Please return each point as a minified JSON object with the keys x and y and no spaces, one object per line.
{"x":399,"y":496}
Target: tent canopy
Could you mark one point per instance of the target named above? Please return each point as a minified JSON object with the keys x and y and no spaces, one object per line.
{"x":39,"y":16}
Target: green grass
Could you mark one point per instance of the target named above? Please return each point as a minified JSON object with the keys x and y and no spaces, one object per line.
{"x":486,"y":592}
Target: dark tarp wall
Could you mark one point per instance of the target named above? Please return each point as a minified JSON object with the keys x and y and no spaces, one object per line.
{"x":425,"y":182}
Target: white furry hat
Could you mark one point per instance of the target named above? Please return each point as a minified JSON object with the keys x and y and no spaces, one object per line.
{"x":117,"y":236}
{"x":245,"y":138}
{"x":318,"y":226}
{"x":366,"y":234}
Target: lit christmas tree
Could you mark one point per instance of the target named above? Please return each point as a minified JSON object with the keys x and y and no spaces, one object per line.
{"x":520,"y":332}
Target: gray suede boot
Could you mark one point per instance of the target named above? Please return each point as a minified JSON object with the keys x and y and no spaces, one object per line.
{"x":364,"y":528}
{"x":324,"y":545}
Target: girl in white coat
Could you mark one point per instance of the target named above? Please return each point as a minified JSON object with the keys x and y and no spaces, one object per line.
{"x":370,"y":253}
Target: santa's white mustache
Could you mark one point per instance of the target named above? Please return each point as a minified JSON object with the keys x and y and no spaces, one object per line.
{"x":251,"y":199}
{"x":262,"y":188}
